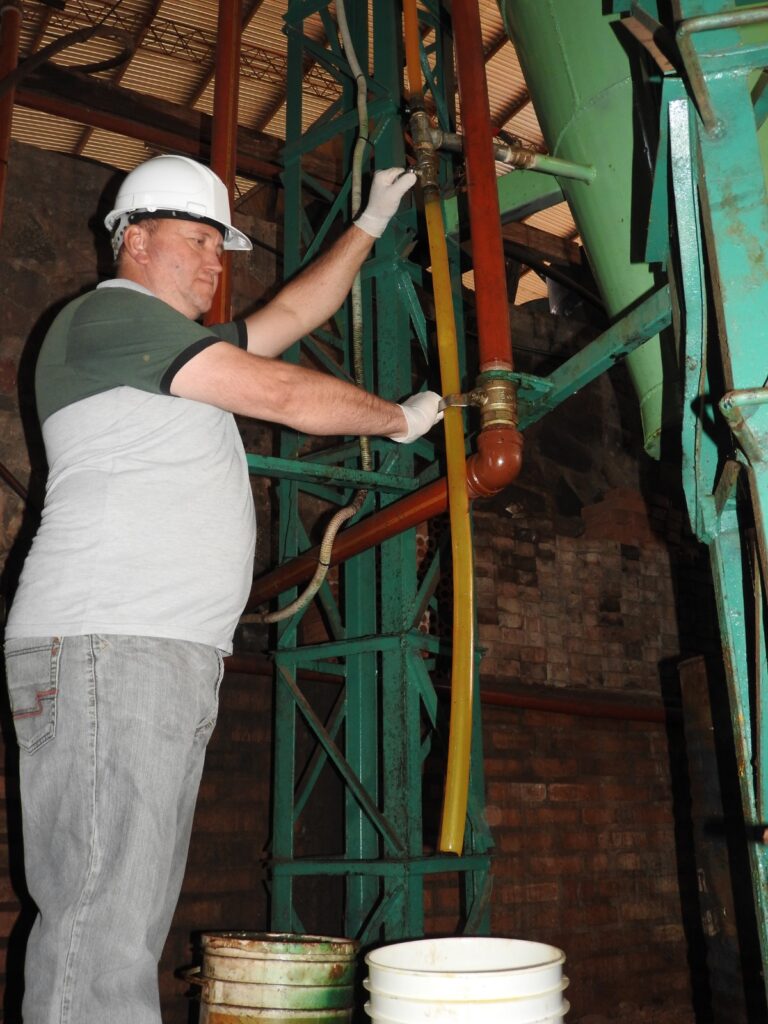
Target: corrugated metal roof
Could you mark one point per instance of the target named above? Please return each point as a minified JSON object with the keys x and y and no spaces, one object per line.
{"x":174,"y":59}
{"x":46,"y":132}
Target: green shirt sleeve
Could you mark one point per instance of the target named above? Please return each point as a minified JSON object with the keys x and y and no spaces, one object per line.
{"x":115,"y":337}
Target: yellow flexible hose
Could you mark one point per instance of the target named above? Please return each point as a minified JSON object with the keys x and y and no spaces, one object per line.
{"x":462,"y":665}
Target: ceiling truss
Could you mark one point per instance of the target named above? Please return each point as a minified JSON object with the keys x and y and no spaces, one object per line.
{"x":161,"y":97}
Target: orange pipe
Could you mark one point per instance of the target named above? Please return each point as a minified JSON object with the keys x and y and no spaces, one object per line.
{"x":412,"y":63}
{"x":493,"y":327}
{"x":224,"y":134}
{"x":564,"y":704}
{"x":10,"y":33}
{"x":401,"y":515}
{"x":493,"y":467}
{"x":496,"y":463}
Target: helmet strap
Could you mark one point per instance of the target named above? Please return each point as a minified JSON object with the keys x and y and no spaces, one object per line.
{"x":139,"y":215}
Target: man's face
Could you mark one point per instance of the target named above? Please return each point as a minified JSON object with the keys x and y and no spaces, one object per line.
{"x":184,"y":263}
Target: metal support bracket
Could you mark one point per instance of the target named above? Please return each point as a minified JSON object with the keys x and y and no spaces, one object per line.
{"x":747,"y":414}
{"x":692,"y":59}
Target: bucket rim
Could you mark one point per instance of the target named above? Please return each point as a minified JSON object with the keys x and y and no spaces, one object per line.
{"x":457,"y":940}
{"x":277,"y":945}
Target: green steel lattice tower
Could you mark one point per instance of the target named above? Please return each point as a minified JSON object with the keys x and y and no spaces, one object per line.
{"x":380,"y":716}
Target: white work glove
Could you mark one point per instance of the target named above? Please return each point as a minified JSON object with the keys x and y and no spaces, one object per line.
{"x":387,"y":189}
{"x":421,"y":412}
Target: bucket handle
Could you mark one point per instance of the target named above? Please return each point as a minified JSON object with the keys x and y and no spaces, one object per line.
{"x":193,"y":976}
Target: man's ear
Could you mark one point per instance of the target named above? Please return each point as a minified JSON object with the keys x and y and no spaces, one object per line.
{"x":135,"y":241}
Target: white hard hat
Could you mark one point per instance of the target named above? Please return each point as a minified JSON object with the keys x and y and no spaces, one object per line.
{"x":175,"y":187}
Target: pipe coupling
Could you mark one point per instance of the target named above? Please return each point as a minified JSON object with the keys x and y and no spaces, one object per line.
{"x":500,"y":406}
{"x":426,"y":155}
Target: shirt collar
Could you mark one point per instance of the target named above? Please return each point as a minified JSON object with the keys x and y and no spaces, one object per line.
{"x":123,"y":282}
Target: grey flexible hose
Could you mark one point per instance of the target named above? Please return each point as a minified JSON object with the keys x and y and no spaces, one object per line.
{"x":346,"y":513}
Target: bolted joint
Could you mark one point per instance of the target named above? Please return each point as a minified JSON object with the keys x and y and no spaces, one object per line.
{"x":500,"y":406}
{"x":424,"y":148}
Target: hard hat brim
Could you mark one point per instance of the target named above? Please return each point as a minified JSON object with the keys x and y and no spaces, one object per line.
{"x":233,"y":238}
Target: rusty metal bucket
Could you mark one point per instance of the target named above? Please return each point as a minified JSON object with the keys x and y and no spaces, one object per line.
{"x":275,"y":978}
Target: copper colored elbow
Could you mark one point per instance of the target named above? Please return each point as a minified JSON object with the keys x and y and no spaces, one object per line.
{"x":496,"y":463}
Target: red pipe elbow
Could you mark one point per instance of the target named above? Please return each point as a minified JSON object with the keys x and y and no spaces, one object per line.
{"x":496,"y":463}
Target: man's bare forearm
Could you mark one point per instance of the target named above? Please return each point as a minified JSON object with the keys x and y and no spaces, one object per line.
{"x":311,"y":298}
{"x":280,"y":392}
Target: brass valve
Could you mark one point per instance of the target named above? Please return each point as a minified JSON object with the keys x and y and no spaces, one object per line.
{"x":496,"y":397}
{"x":500,"y":406}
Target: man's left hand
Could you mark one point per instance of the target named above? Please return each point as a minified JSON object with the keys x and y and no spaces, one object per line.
{"x":387,"y":189}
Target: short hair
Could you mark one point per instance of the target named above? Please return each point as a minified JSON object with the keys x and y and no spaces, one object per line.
{"x":150,"y":223}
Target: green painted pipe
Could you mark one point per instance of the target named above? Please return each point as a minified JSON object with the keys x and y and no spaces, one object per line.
{"x":578,"y":75}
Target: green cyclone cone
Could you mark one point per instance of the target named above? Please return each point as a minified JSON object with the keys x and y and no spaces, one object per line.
{"x":580,"y":80}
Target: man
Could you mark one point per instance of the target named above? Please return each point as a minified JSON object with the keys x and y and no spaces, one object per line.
{"x":142,"y":565}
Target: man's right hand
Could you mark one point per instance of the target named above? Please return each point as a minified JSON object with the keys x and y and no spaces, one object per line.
{"x":421,"y":412}
{"x":387,"y":189}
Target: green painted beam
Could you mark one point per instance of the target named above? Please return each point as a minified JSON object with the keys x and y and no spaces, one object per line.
{"x":621,"y":339}
{"x":408,"y":639}
{"x":391,"y":866}
{"x":312,"y":472}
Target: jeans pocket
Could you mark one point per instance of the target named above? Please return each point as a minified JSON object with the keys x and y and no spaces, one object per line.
{"x":32,"y":668}
{"x":206,"y":727}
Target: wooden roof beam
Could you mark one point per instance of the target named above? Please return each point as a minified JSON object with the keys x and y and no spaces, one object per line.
{"x":100,"y":104}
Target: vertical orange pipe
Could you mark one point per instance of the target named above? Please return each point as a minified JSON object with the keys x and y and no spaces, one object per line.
{"x":493,"y":326}
{"x":10,"y":32}
{"x":224,"y":135}
{"x":412,"y":62}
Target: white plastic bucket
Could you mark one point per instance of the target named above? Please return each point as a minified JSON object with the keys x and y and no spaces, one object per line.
{"x":466,"y":979}
{"x":522,"y":1009}
{"x":465,"y":1015}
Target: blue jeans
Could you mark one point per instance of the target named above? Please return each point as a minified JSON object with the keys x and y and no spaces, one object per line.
{"x":112,"y":733}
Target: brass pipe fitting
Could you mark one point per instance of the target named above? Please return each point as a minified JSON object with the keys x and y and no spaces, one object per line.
{"x":426,"y":155}
{"x":500,"y":406}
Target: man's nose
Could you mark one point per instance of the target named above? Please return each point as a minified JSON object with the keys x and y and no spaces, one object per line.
{"x":215,"y":261}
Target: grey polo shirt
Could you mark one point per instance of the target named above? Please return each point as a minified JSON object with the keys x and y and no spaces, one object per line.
{"x":148,"y":526}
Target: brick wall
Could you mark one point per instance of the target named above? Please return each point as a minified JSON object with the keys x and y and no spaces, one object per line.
{"x":587,"y":611}
{"x":586,"y":856}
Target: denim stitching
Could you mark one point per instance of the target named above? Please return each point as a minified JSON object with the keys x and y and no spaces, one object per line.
{"x":53,"y":645}
{"x":30,"y":712}
{"x":78,"y":920}
{"x":207,"y":726}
